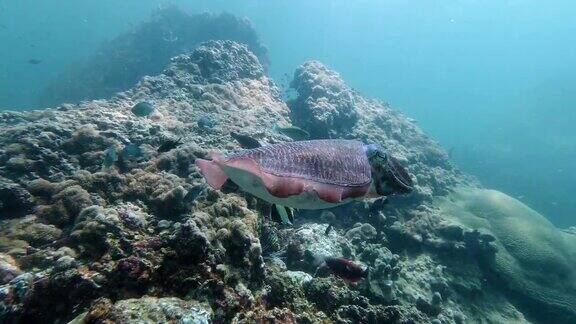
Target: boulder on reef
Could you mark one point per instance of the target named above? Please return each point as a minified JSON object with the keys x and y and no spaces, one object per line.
{"x":535,"y":261}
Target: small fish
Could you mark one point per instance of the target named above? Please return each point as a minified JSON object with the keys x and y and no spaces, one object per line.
{"x":34,"y":61}
{"x":328,"y":216}
{"x":378,"y":204}
{"x":132,"y":152}
{"x":206,"y":123}
{"x":295,"y":133}
{"x":245,"y":141}
{"x":122,"y":165}
{"x":169,"y":145}
{"x":270,"y":241}
{"x":283,"y":215}
{"x":348,"y":270}
{"x":110,"y":158}
{"x":143,"y":109}
{"x":3,"y":26}
{"x":194,"y":193}
{"x":329,"y":229}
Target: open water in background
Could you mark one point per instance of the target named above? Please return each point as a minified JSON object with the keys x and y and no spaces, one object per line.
{"x":493,"y":81}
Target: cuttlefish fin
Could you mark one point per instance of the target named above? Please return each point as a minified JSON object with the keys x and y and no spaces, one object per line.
{"x":212,"y":172}
{"x":229,"y":186}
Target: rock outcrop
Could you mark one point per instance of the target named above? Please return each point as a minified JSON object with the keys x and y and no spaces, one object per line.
{"x":535,"y":261}
{"x":146,"y":50}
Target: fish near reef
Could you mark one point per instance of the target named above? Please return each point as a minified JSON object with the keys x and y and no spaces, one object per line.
{"x":245,"y":141}
{"x":132,"y":152}
{"x":282,"y":215}
{"x":129,"y":156}
{"x":378,"y":204}
{"x":295,"y":133}
{"x":330,"y":218}
{"x":143,"y":109}
{"x":313,"y":174}
{"x":348,"y":270}
{"x":169,"y":144}
{"x":194,"y":193}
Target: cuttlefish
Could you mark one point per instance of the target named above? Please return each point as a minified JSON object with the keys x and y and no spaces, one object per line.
{"x":313,"y":174}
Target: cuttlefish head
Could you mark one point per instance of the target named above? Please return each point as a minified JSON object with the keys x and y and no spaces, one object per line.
{"x":388,"y":175}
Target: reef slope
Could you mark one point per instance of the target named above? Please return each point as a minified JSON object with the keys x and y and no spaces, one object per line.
{"x":86,"y":236}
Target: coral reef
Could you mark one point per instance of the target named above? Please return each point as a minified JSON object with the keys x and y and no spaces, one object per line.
{"x":90,"y":233}
{"x":327,"y":108}
{"x":325,"y":105}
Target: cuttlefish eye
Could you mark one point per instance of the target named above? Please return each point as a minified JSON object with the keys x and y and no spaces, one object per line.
{"x":374,"y":151}
{"x":389,"y":175}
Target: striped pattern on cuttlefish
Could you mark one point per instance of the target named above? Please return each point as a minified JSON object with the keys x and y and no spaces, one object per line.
{"x":312,"y":174}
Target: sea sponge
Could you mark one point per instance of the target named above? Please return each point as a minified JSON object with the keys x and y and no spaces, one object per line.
{"x":535,"y":261}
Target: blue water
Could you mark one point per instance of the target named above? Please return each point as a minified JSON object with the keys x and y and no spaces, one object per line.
{"x":493,"y":81}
